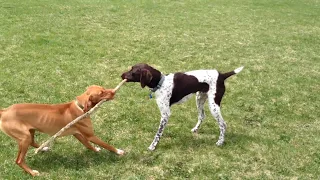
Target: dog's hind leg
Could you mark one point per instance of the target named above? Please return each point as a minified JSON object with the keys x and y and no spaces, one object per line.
{"x":216,"y":112}
{"x":200,"y":100}
{"x":24,"y":143}
{"x":34,"y":144}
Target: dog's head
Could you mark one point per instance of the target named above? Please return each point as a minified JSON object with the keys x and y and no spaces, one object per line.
{"x":93,"y":95}
{"x":142,"y":73}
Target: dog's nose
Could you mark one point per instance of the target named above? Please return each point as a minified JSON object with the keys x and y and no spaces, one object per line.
{"x":123,"y":76}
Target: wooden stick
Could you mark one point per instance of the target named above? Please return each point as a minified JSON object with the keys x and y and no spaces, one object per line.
{"x":119,"y":85}
{"x":52,"y":138}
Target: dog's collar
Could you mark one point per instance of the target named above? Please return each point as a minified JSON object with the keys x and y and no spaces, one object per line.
{"x":159,"y":84}
{"x":80,"y":106}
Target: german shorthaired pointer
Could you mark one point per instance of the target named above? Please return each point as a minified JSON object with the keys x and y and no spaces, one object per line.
{"x":178,"y":87}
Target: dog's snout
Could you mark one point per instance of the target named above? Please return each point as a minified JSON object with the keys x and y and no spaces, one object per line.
{"x":123,"y":76}
{"x":127,"y":76}
{"x":109,"y":95}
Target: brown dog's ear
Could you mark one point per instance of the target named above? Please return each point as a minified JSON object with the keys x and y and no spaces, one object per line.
{"x":145,"y":77}
{"x":87,"y":103}
{"x":84,"y":101}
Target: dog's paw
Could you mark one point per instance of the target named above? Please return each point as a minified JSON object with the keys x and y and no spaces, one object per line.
{"x":98,"y":149}
{"x":219,"y":143}
{"x":151,"y":148}
{"x":120,"y":152}
{"x":35,"y":173}
{"x":194,"y":130}
{"x":45,"y":149}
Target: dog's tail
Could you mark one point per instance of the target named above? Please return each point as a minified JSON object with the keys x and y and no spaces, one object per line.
{"x":228,"y":74}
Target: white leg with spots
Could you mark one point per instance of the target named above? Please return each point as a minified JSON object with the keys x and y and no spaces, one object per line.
{"x":165,"y":114}
{"x":215,"y":111}
{"x":200,"y":100}
{"x":163,"y":123}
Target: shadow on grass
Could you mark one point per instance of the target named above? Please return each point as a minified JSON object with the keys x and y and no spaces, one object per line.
{"x":71,"y":160}
{"x":204,"y":140}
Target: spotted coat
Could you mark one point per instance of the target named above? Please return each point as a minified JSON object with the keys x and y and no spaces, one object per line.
{"x":179,"y":87}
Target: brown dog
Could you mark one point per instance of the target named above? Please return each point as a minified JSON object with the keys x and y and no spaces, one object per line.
{"x":20,"y":121}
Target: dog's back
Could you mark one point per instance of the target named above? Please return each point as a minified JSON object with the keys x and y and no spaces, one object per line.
{"x":28,"y":116}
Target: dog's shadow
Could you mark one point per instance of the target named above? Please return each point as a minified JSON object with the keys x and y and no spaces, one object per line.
{"x":208,"y":139}
{"x":75,"y":160}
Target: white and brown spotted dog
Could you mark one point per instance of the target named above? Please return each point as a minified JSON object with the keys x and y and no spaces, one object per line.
{"x":178,"y":87}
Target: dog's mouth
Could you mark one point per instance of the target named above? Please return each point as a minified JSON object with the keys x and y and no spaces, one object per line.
{"x":128,"y":77}
{"x":108,"y":96}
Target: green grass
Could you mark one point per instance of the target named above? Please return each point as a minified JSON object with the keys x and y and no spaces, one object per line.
{"x":50,"y":51}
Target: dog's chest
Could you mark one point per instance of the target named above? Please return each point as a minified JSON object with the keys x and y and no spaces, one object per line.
{"x":1,"y":128}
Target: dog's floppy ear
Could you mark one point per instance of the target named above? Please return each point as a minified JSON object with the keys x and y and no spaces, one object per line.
{"x":145,"y":77}
{"x":84,"y":100}
{"x":87,"y":103}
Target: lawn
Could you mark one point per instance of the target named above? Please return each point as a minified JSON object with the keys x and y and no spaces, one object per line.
{"x":50,"y":51}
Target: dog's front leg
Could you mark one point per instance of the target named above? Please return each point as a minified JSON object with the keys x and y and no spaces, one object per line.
{"x":163,"y":123}
{"x":165,"y":114}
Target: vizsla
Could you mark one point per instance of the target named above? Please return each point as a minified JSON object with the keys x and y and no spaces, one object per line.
{"x":20,"y":121}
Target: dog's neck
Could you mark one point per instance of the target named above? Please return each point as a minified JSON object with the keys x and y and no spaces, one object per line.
{"x":156,"y":77}
{"x":159,"y":84}
{"x":78,"y":105}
